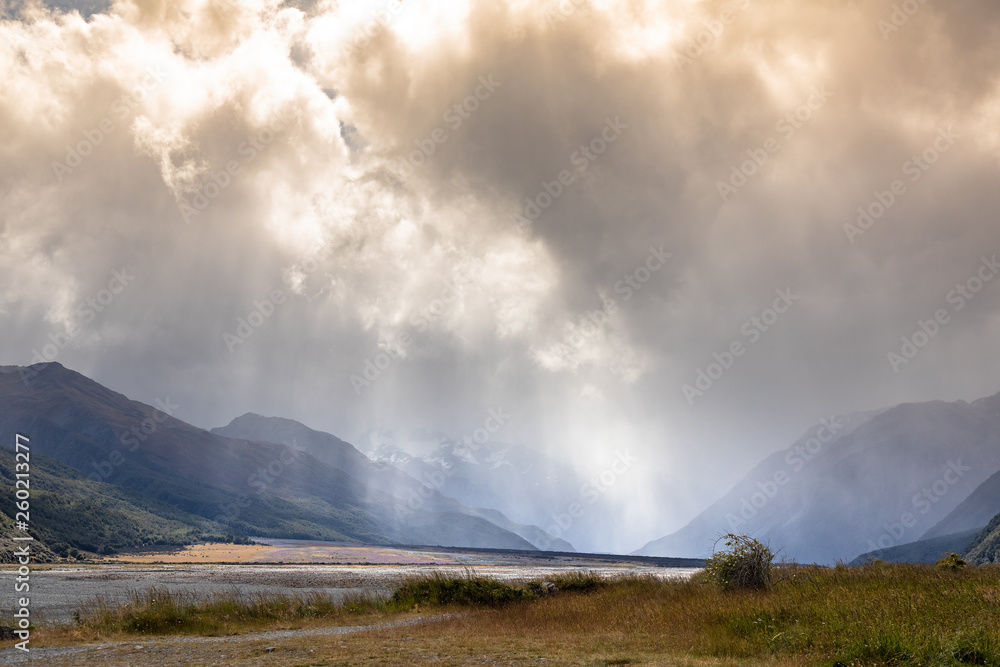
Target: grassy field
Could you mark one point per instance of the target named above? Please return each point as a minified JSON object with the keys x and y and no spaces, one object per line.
{"x":874,"y":615}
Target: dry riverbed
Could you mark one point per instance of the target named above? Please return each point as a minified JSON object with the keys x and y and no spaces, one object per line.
{"x":279,"y":567}
{"x":310,"y":567}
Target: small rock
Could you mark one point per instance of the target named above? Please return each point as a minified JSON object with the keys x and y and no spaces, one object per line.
{"x":270,"y":649}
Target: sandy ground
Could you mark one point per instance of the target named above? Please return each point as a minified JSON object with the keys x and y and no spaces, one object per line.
{"x":210,"y":553}
{"x":285,"y":551}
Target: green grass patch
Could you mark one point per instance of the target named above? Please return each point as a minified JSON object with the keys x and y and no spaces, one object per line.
{"x":473,"y":591}
{"x":875,"y":615}
{"x":468,"y":591}
{"x":575,"y":582}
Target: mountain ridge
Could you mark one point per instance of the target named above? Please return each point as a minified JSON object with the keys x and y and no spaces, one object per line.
{"x":887,"y":476}
{"x":375,"y":474}
{"x":110,"y":438}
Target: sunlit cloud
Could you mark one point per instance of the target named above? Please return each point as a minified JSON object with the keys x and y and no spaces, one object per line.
{"x":224,"y":149}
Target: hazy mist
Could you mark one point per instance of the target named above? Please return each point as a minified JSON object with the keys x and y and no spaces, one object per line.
{"x":403,"y":216}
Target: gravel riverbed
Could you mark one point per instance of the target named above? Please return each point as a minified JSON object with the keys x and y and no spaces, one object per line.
{"x":57,"y":592}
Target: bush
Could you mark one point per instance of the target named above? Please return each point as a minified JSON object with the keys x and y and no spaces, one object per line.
{"x":474,"y":591}
{"x":951,"y":561}
{"x":746,"y":564}
{"x":575,"y":582}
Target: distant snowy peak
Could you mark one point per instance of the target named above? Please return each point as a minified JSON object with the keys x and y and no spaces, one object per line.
{"x":439,"y":451}
{"x":386,"y":453}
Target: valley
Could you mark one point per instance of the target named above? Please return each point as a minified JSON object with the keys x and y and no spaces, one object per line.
{"x":300,"y":568}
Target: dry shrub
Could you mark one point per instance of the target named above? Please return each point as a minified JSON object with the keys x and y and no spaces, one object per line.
{"x":744,"y":565}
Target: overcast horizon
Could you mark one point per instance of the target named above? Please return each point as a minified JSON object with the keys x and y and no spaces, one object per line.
{"x":686,"y":229}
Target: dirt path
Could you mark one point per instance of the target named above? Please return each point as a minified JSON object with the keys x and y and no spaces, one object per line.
{"x":176,"y":650}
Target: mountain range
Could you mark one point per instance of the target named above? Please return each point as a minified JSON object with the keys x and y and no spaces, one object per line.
{"x":104,"y":463}
{"x":108,"y":474}
{"x":863,"y":483}
{"x":425,"y":492}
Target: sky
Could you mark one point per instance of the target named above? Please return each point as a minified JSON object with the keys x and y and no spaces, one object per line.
{"x":686,"y":229}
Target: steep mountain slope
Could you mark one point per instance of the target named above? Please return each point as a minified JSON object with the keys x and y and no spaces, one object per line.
{"x":69,"y":511}
{"x":375,"y":475}
{"x":324,"y":446}
{"x":879,"y":480}
{"x":984,"y":503}
{"x":40,"y":552}
{"x":974,"y":512}
{"x":922,"y":551}
{"x":238,"y":486}
{"x":985,"y":548}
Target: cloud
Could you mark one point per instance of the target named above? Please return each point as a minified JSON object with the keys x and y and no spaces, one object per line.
{"x":341,"y":153}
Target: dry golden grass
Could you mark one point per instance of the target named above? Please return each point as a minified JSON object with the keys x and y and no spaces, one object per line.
{"x":877,"y":615}
{"x":198,"y":553}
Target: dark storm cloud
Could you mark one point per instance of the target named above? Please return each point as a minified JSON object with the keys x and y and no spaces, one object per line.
{"x":400,"y":248}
